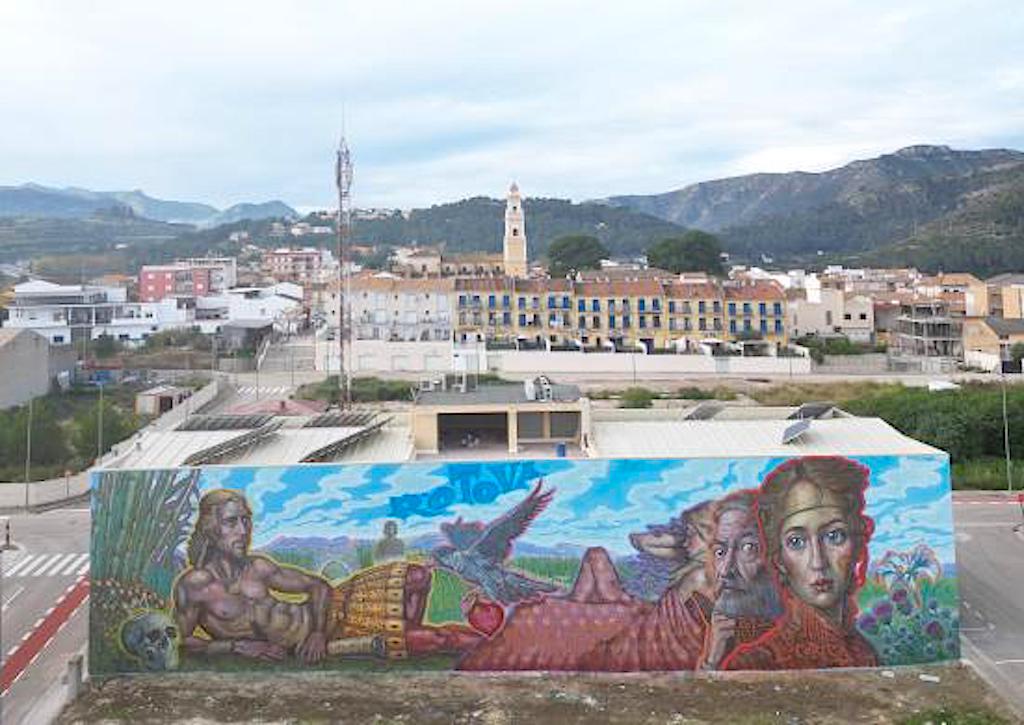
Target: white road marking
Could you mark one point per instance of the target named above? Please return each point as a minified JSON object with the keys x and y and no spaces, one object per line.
{"x":73,"y":565}
{"x":11,"y":599}
{"x":36,"y":565}
{"x":13,"y":571}
{"x":57,"y":563}
{"x":1009,"y":662}
{"x":84,"y":568}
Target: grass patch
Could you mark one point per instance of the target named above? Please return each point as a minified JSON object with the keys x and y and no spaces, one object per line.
{"x":839,"y":393}
{"x":364,"y":390}
{"x":986,"y":474}
{"x":953,"y":716}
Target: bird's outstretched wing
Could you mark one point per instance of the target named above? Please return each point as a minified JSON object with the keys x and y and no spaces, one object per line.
{"x":513,"y":588}
{"x":495,"y":542}
{"x":461,"y":534}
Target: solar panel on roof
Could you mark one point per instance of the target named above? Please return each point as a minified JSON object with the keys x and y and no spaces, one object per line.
{"x":795,"y":430}
{"x":812,"y":410}
{"x":704,"y":411}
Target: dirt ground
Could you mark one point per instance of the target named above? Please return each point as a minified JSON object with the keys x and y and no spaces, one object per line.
{"x":892,"y":696}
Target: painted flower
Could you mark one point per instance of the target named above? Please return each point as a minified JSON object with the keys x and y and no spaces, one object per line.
{"x":934,"y":629}
{"x":868,"y":622}
{"x":899,"y":595}
{"x":883,"y":611}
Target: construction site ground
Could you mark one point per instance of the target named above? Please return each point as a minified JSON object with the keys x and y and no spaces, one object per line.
{"x":915,"y":695}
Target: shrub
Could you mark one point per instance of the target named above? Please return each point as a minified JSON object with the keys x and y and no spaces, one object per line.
{"x":636,"y":398}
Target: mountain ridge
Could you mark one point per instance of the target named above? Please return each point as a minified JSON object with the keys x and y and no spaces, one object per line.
{"x":38,"y":201}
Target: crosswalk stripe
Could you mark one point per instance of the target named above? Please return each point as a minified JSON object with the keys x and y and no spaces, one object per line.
{"x":57,"y":563}
{"x":36,"y":565}
{"x":74,"y":564}
{"x":20,"y":565}
{"x":84,"y":568}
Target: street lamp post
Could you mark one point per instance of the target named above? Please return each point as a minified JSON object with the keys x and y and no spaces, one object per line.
{"x":28,"y":452}
{"x":1006,"y":436}
{"x":99,"y":427}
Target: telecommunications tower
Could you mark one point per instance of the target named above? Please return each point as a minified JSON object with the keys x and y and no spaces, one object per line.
{"x":343,"y":180}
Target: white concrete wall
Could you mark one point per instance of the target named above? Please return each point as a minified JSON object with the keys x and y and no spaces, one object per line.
{"x":12,"y":495}
{"x":984,"y":360}
{"x":555,"y":363}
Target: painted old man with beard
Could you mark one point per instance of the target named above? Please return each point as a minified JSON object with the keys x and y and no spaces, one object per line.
{"x":697,"y":627}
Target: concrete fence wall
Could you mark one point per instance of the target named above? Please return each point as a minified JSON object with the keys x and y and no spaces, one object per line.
{"x":39,"y":493}
{"x":578,"y":363}
{"x":869,"y":364}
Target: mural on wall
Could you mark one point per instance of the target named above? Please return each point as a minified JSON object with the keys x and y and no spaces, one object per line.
{"x":600,"y":565}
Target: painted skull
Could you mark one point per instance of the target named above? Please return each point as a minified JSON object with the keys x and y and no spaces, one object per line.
{"x":152,"y":638}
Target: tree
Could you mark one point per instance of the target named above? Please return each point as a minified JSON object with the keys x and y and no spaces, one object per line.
{"x":1017,"y":351}
{"x":116,"y":427}
{"x":106,"y":347}
{"x":574,"y":252}
{"x":636,"y":398}
{"x":694,"y":251}
{"x":48,"y":441}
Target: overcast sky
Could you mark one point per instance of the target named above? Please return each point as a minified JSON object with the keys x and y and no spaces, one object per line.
{"x":225,"y":102}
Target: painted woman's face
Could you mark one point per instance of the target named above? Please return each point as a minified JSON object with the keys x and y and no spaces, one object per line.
{"x":817,"y":548}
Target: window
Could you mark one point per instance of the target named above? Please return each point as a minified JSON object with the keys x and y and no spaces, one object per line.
{"x":515,"y":231}
{"x":476,"y":299}
{"x":701,"y":307}
{"x":732,"y":325}
{"x":505,"y":300}
{"x":551,"y":302}
{"x":656,"y":304}
{"x":717,"y":307}
{"x":492,"y":301}
{"x":671,"y":306}
{"x":732,"y":309}
{"x":641,"y":304}
{"x":611,"y":305}
{"x":643,"y":321}
{"x":581,"y":305}
{"x":522,"y":303}
{"x":778,"y":326}
{"x":596,"y":322}
{"x":656,"y":321}
{"x":828,"y":317}
{"x":625,"y":322}
{"x":746,"y":308}
{"x":718,"y":323}
{"x":535,"y":303}
{"x":582,"y":322}
{"x":702,"y":323}
{"x":522,"y":320}
{"x":58,"y":339}
{"x":565,"y":302}
{"x":595,"y":305}
{"x":764,"y":326}
{"x":762,"y":308}
{"x":747,"y":326}
{"x":506,"y":318}
{"x":611,"y":322}
{"x":847,"y":316}
{"x":777,"y":308}
{"x":863,"y":315}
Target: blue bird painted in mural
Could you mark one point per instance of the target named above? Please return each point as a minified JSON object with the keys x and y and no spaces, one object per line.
{"x":477,"y":553}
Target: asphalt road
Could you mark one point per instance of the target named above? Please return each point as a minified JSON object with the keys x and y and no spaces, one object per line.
{"x":990,"y":568}
{"x":50,"y":559}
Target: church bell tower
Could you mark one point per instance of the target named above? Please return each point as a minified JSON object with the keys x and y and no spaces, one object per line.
{"x":514,"y":246}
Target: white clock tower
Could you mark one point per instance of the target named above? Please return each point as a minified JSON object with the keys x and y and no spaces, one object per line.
{"x":515,"y":234}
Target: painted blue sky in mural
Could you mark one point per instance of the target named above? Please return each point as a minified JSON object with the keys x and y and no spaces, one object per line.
{"x":597,"y":502}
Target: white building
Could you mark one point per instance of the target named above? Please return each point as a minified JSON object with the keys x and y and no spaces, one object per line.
{"x":69,"y":313}
{"x":827,"y":311}
{"x":279,"y":305}
{"x":387,"y":307}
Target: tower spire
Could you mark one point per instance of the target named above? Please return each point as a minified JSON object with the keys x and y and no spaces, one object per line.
{"x":514,"y":246}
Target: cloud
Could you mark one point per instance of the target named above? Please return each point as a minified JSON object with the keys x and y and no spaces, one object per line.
{"x":233,"y":101}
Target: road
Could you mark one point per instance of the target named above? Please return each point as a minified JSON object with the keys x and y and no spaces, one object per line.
{"x":990,"y":566}
{"x":51,"y":560}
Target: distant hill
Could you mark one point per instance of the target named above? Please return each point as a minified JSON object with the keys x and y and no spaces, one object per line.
{"x":853,"y":209}
{"x":35,"y":201}
{"x":478,"y":224}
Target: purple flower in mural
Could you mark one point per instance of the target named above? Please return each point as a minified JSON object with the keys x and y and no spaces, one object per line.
{"x":883,"y":611}
{"x":899,"y":596}
{"x":868,"y":623}
{"x":934,"y":629}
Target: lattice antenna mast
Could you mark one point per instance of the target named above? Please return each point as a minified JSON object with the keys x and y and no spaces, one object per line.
{"x":343,"y":180}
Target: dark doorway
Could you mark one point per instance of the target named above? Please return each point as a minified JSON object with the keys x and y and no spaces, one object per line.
{"x":472,"y":430}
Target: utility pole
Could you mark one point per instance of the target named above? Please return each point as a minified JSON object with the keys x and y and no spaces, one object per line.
{"x":99,"y":427}
{"x":28,"y":451}
{"x":343,"y":182}
{"x":1006,"y":432}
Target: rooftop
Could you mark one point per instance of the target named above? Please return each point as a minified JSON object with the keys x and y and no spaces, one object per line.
{"x":1004,"y":327}
{"x":495,"y":394}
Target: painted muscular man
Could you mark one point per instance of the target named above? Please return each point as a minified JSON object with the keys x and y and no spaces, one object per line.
{"x":227,"y":593}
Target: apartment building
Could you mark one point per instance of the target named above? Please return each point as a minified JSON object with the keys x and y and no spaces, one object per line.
{"x":187,"y":278}
{"x":622,"y":314}
{"x":928,"y":328}
{"x":286,"y":264}
{"x":66,"y":314}
{"x":1000,"y":296}
{"x":829,"y":311}
{"x":387,"y":307}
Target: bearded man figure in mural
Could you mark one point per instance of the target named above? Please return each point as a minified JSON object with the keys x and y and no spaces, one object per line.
{"x":231,"y":596}
{"x":811,"y":512}
{"x":697,"y":627}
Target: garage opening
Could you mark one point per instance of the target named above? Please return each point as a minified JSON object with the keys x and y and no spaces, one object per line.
{"x":472,"y":430}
